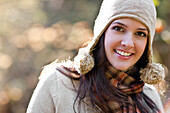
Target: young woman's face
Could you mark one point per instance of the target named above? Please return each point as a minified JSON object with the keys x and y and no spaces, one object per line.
{"x":125,"y":41}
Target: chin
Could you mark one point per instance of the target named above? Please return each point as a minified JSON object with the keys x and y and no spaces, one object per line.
{"x":122,"y":68}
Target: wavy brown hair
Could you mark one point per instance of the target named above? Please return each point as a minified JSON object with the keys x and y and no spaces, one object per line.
{"x":96,"y":86}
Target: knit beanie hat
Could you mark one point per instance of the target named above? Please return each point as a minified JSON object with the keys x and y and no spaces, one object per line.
{"x":141,"y":10}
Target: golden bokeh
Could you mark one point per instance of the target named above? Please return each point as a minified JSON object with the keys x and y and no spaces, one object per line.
{"x":34,"y":33}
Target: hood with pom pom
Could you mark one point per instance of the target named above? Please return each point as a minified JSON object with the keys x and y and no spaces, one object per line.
{"x":143,"y":11}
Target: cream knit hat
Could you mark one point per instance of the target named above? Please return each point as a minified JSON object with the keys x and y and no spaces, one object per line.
{"x":142,"y":10}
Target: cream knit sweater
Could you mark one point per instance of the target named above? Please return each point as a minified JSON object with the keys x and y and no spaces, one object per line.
{"x":55,"y":94}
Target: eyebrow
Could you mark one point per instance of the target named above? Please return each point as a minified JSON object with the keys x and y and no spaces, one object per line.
{"x":120,"y":24}
{"x":143,"y":29}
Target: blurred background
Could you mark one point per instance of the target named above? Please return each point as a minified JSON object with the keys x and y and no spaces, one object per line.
{"x":34,"y":33}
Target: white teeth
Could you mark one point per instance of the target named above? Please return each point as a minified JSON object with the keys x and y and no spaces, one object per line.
{"x":123,"y":53}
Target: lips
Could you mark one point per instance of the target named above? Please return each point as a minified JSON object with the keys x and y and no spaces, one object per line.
{"x":123,"y":53}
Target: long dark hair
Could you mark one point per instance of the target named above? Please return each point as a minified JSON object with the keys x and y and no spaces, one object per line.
{"x":96,"y":86}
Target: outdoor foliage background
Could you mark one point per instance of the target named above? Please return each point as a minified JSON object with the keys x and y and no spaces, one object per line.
{"x":34,"y":33}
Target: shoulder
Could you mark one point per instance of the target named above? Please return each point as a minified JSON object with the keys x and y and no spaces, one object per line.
{"x":152,"y":93}
{"x":53,"y":79}
{"x":148,"y":87}
{"x":53,"y":87}
{"x":50,"y":72}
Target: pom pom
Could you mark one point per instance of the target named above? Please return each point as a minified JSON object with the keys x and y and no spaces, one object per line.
{"x":153,"y":74}
{"x":83,"y":62}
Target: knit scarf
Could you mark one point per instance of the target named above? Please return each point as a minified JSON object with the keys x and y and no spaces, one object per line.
{"x":120,"y":80}
{"x":125,"y":83}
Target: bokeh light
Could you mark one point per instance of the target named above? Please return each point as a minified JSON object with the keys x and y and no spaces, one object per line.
{"x":34,"y":33}
{"x":6,"y":61}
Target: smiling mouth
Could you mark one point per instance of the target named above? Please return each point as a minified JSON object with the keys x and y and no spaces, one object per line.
{"x":122,"y":53}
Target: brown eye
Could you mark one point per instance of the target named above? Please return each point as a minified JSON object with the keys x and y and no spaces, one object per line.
{"x":141,"y":34}
{"x":118,"y":28}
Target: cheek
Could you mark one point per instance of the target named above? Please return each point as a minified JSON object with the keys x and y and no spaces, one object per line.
{"x":110,"y":40}
{"x":108,"y":44}
{"x":141,"y":46}
{"x":106,"y":41}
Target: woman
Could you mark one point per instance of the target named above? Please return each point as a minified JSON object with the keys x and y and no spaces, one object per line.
{"x":111,"y":74}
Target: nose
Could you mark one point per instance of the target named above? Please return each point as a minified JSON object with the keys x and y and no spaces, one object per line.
{"x":127,"y":41}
